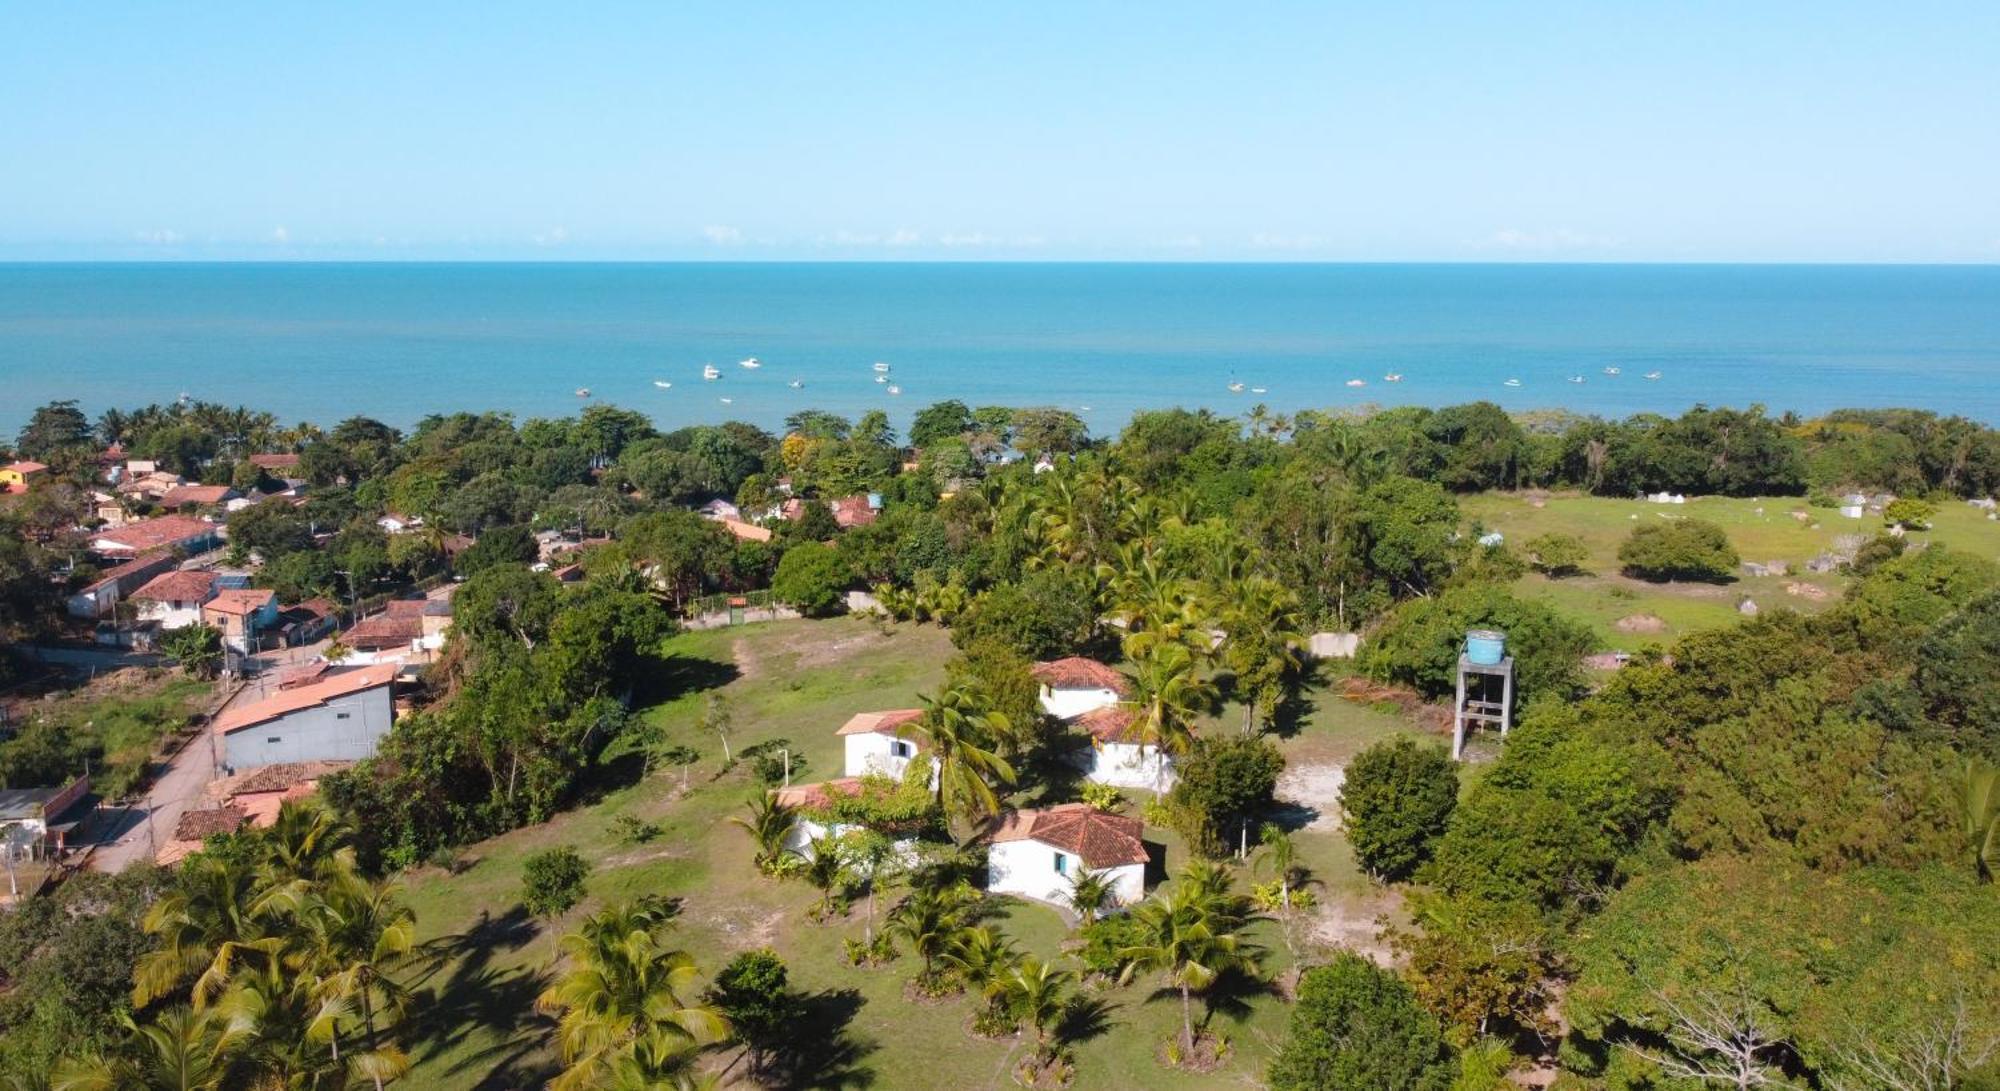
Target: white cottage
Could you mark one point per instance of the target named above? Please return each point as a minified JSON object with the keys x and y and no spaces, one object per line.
{"x":874,"y":744}
{"x":174,"y":599}
{"x":815,"y":798}
{"x":1037,"y":854}
{"x":1074,"y":686}
{"x":1117,"y":757}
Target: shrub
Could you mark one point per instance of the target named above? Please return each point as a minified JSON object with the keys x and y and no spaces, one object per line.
{"x":1048,"y":614}
{"x":1418,"y":645}
{"x":552,"y":881}
{"x":810,"y":578}
{"x":1270,"y":897}
{"x":1396,"y":800}
{"x":1910,"y":513}
{"x":1556,"y":555}
{"x":635,"y":830}
{"x":1679,"y":549}
{"x":769,"y":760}
{"x":1223,"y":784}
{"x":1357,"y":1027}
{"x":1103,"y":797}
{"x":1104,"y":938}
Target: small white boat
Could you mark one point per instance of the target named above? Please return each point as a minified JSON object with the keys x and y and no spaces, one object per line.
{"x":1260,"y":390}
{"x":583,"y":392}
{"x":893,"y":389}
{"x":711,"y":372}
{"x":881,"y":378}
{"x":796,"y":385}
{"x":881,"y":367}
{"x":1576,"y":378}
{"x":1236,"y":388}
{"x":1611,"y":371}
{"x":1357,"y":382}
{"x":729,"y":401}
{"x":1393,"y":377}
{"x":663,"y":384}
{"x":1654,"y":375}
{"x":752,"y":363}
{"x":1511,"y":382}
{"x":1083,"y":409}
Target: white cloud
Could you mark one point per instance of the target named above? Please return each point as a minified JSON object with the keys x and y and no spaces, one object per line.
{"x":1182,"y":242}
{"x":903,"y":236}
{"x":281,"y":235}
{"x":980,"y":239}
{"x":162,"y":237}
{"x":555,"y":236}
{"x":1562,"y":238}
{"x":721,"y":235}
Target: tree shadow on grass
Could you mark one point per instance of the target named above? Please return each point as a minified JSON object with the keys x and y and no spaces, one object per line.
{"x":1230,"y":997}
{"x":822,"y":1050}
{"x":1292,"y":713}
{"x":682,"y":674}
{"x":1085,"y":1019}
{"x":458,"y":991}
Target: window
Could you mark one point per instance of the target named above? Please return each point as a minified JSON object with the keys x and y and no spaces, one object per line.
{"x":1062,"y":864}
{"x":900,"y":749}
{"x":340,"y":715}
{"x":274,"y":738}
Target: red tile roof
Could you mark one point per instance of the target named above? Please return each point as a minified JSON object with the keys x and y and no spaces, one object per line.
{"x":388,"y":630}
{"x":147,"y":535}
{"x":853,"y":511}
{"x":288,"y":701}
{"x":239,"y":600}
{"x":880,"y":723}
{"x":133,"y":569}
{"x":196,"y":494}
{"x":818,"y":795}
{"x":1112,"y":723}
{"x":201,"y":825}
{"x":749,"y":532}
{"x":1077,"y":672}
{"x":177,"y":587}
{"x":275,"y":461}
{"x":26,"y":466}
{"x":1100,"y":840}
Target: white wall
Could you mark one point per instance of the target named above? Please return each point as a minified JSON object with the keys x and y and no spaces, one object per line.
{"x":1068,"y":704}
{"x":1027,"y":868}
{"x":1128,"y":765}
{"x":170,"y":615}
{"x":875,"y":753}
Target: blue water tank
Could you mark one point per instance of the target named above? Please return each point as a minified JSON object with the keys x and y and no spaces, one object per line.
{"x":1486,"y":647}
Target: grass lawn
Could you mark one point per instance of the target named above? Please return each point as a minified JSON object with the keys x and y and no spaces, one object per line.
{"x":800,"y":680}
{"x":1761,"y":530}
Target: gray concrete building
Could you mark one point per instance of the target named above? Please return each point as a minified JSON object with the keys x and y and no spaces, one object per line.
{"x":338,"y":716}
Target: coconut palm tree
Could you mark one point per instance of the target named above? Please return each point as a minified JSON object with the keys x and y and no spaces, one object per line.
{"x":180,"y":1050}
{"x":355,"y":935}
{"x":769,"y":824}
{"x":1191,"y":937}
{"x":1091,"y":894}
{"x":218,"y":918}
{"x":307,"y":842}
{"x":827,"y":872}
{"x":981,"y":956}
{"x":1265,"y":645}
{"x":621,"y":1001}
{"x":1037,"y":993}
{"x":1167,"y":695}
{"x":960,"y":733}
{"x":929,"y":920}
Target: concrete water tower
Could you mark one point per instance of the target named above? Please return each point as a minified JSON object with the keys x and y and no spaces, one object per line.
{"x":1485,"y":687}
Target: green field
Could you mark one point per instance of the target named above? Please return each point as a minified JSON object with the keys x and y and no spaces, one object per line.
{"x":1761,"y":530}
{"x":800,"y":680}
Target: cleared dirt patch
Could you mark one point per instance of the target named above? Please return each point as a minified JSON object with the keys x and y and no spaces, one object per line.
{"x":1314,"y":788}
{"x":1641,"y":623}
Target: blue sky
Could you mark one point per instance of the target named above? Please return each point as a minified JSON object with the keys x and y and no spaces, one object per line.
{"x":1686,"y":131}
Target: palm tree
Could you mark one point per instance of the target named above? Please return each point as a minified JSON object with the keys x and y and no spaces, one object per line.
{"x":960,"y":733}
{"x":1192,"y":937}
{"x":1037,"y":993}
{"x":769,"y":824}
{"x":307,"y":842}
{"x":1280,"y":855}
{"x":356,"y":934}
{"x":1265,"y":645}
{"x":180,"y":1050}
{"x":873,"y":861}
{"x":929,"y":920}
{"x":289,"y":1034}
{"x":218,"y":917}
{"x":1091,"y":893}
{"x":982,"y":957}
{"x":1167,"y":695}
{"x":826,"y":871}
{"x":621,"y":1000}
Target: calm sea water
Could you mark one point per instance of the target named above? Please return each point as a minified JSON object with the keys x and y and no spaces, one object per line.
{"x":322,"y":342}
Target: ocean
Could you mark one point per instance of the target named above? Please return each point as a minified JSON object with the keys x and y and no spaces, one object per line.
{"x":322,"y":342}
